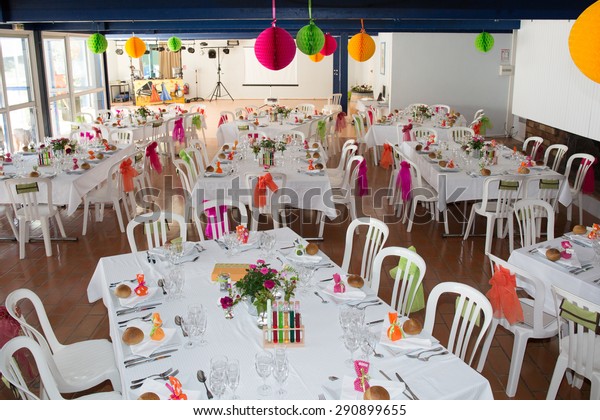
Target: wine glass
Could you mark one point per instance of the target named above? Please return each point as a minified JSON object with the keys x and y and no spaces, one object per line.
{"x":219,"y":363}
{"x":218,"y":382}
{"x":267,"y":243}
{"x":263,"y":362}
{"x":351,"y":342}
{"x":175,"y":281}
{"x":281,"y":373}
{"x":202,"y":323}
{"x":190,"y":327}
{"x":368,"y":341}
{"x":233,"y":376}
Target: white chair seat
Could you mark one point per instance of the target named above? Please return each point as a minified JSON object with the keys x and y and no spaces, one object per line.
{"x":336,"y":179}
{"x":43,"y":210}
{"x":93,"y":369}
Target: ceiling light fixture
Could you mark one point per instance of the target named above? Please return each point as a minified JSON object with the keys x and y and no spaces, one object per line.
{"x":233,"y":42}
{"x":191,"y":50}
{"x":226,"y":50}
{"x":119,"y":51}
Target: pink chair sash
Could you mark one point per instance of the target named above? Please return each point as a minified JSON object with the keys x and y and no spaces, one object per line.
{"x":370,"y":114}
{"x":9,"y":329}
{"x":363,"y":182}
{"x":211,"y":215}
{"x":404,"y":180}
{"x":406,"y":130}
{"x":589,"y":182}
{"x":340,"y":122}
{"x":178,"y":131}
{"x":153,"y":157}
{"x":222,"y":120}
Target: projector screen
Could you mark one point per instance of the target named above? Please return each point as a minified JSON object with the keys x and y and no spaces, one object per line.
{"x":257,"y":75}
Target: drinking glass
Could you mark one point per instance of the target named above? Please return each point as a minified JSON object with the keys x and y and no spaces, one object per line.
{"x":596,"y":247}
{"x":176,"y":277}
{"x":263,"y":363}
{"x":351,"y":342}
{"x":202,"y":323}
{"x":218,"y":382}
{"x":281,"y":373}
{"x":368,"y":341}
{"x":233,"y":377}
{"x":219,"y":363}
{"x":190,"y":327}
{"x":267,"y":243}
{"x":231,"y":242}
{"x":280,"y":354}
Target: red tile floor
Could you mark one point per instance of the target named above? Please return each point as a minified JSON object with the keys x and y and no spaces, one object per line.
{"x":62,"y":279}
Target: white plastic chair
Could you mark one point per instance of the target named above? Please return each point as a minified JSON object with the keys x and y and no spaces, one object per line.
{"x":507,"y":190}
{"x":336,"y":175}
{"x":229,"y":116}
{"x":334,"y":99}
{"x":220,"y":222}
{"x":360,"y":131}
{"x":536,"y":323}
{"x":585,"y":163}
{"x":155,"y":228}
{"x":200,"y":144}
{"x":460,"y":135}
{"x":536,"y":143}
{"x":470,"y":307}
{"x":75,"y":367}
{"x":295,"y":137}
{"x":402,"y":300}
{"x":308,"y":109}
{"x":478,"y":114}
{"x":424,"y":133}
{"x":121,"y":136}
{"x":375,"y":238}
{"x":579,"y":344}
{"x":84,"y":117}
{"x":27,"y":199}
{"x":273,"y":206}
{"x":441,"y":109}
{"x":559,"y":151}
{"x":528,"y":213}
{"x":48,"y":387}
{"x":544,"y":187}
{"x":105,"y":114}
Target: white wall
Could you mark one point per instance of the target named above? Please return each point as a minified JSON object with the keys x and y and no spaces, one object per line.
{"x":549,"y":88}
{"x":446,"y":68}
{"x":315,"y":80}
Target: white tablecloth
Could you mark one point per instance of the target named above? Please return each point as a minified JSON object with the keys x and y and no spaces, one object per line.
{"x":379,"y":134}
{"x":552,"y":273}
{"x":69,"y":189}
{"x":444,"y":377}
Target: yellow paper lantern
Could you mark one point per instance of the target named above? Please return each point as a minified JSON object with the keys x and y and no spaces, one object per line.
{"x":584,"y":42}
{"x":135,"y":47}
{"x":316,"y":57}
{"x":361,"y":46}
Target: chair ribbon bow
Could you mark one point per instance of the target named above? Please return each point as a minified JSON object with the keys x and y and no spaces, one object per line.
{"x":503,"y":296}
{"x":429,"y":143}
{"x":175,"y":387}
{"x":321,"y":130}
{"x":387,"y":158}
{"x":9,"y":329}
{"x":128,"y":172}
{"x":152,"y":155}
{"x":222,"y":120}
{"x":260,"y":191}
{"x":370,"y":115}
{"x":178,"y":131}
{"x":361,"y":384}
{"x":188,"y":161}
{"x":339,"y":286}
{"x":363,"y":182}
{"x":394,"y":332}
{"x":404,"y":180}
{"x":589,"y":180}
{"x":211,"y":215}
{"x":197,"y":121}
{"x":406,"y":132}
{"x":340,"y":122}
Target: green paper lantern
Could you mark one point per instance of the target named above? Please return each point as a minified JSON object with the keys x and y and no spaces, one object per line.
{"x":484,"y":42}
{"x":310,"y":39}
{"x":174,"y":44}
{"x":97,"y":43}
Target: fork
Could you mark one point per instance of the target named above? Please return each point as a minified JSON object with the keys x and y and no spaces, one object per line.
{"x":426,"y":359}
{"x":416,"y":356}
{"x":159,"y":377}
{"x":166,"y":372}
{"x":143,"y":318}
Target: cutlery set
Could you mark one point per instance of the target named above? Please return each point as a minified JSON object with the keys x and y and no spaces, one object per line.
{"x":137,"y":383}
{"x":138,"y":309}
{"x":157,"y":355}
{"x":407,"y":391}
{"x":147,"y":360}
{"x":438,"y":351}
{"x":582,"y":269}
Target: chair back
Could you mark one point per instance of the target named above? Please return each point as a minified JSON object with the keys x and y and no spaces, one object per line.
{"x":478,"y":114}
{"x":347,"y":152}
{"x":375,"y":238}
{"x":273,"y":201}
{"x":440,"y":109}
{"x":84,"y":118}
{"x":527,"y":214}
{"x":217,"y":214}
{"x":155,"y":228}
{"x":335,"y":99}
{"x":229,"y":116}
{"x":577,"y":332}
{"x":293,"y":136}
{"x":471,"y":307}
{"x":359,"y":127}
{"x":183,"y":171}
{"x":405,"y":280}
{"x":240,"y":113}
{"x":544,"y":187}
{"x":105,"y":114}
{"x":536,"y":143}
{"x":122,"y":136}
{"x":585,"y":163}
{"x":308,"y":109}
{"x":200,"y":146}
{"x":460,"y":135}
{"x":27,"y":194}
{"x":423,"y":133}
{"x":559,"y":151}
{"x":507,"y":190}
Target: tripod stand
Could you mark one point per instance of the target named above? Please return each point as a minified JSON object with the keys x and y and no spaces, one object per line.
{"x":197,"y":98}
{"x":216,"y":93}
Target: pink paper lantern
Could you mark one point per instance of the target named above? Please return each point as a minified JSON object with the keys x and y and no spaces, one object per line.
{"x":330,"y":45}
{"x":275,"y":48}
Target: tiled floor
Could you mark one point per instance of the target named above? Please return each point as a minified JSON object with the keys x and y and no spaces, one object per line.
{"x":62,"y":279}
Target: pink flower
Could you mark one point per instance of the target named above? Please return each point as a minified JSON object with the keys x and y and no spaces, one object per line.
{"x":264,"y":270}
{"x":252,"y":266}
{"x":226,"y":302}
{"x":272,"y":270}
{"x":269,"y":284}
{"x":260,"y":261}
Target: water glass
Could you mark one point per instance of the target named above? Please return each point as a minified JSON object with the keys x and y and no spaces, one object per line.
{"x":263,"y":363}
{"x":219,"y":363}
{"x":351,"y":342}
{"x":281,"y":373}
{"x":218,"y":382}
{"x":368,"y":341}
{"x":233,"y":377}
{"x":267,"y":243}
{"x":175,"y":281}
{"x":190,"y":327}
{"x":231,"y":243}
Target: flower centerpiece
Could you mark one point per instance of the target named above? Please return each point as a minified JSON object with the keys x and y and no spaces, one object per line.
{"x":475,"y":145}
{"x":63,"y":144}
{"x":451,"y":117}
{"x":267,"y":147}
{"x":143,"y":112}
{"x":421,"y":113}
{"x":259,"y":285}
{"x":362,"y":89}
{"x":282,"y":110}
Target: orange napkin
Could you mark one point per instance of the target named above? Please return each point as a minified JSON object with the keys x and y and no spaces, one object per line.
{"x":387,"y":159}
{"x":128,"y":172}
{"x":503,"y":296}
{"x":260,"y":191}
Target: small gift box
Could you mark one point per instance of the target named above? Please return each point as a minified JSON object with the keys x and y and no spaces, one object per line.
{"x":339,"y":286}
{"x":361,"y":384}
{"x":157,"y":333}
{"x":219,"y":170}
{"x":175,"y":387}
{"x":242,"y":234}
{"x":310,"y":165}
{"x":394,"y":332}
{"x":567,"y":251}
{"x":141,"y":289}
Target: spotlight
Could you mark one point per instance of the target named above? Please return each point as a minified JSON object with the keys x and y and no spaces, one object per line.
{"x":147,"y":52}
{"x":226,"y":50}
{"x":183,"y":48}
{"x":119,"y":51}
{"x":212,"y":53}
{"x":203,"y":44}
{"x":191,"y":50}
{"x":161,"y":49}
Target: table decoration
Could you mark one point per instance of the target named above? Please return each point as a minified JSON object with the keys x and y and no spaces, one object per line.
{"x":157,"y":333}
{"x":236,"y":271}
{"x":141,"y":289}
{"x":474,"y":146}
{"x":421,"y":113}
{"x":361,"y":367}
{"x":339,"y":286}
{"x":394,"y":332}
{"x":284,"y":325}
{"x":242,"y":234}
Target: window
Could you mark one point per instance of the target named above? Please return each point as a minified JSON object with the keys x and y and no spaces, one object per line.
{"x":19,"y":121}
{"x":75,"y":80}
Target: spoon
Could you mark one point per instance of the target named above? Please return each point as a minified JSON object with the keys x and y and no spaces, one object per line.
{"x":202,"y":379}
{"x":321,"y":297}
{"x":178,"y":323}
{"x":161,"y":284}
{"x":378,"y":355}
{"x":333,"y":378}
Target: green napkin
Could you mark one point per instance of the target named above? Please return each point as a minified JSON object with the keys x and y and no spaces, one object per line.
{"x":188,"y":160}
{"x":321,"y":130}
{"x":509,"y":185}
{"x":419,"y":295}
{"x":583,"y":317}
{"x":197,"y":121}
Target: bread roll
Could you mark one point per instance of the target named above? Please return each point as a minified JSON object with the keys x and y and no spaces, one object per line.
{"x":315,"y":145}
{"x":354,"y":280}
{"x":34,"y":174}
{"x":316,"y":155}
{"x":222,"y":156}
{"x":419,"y":147}
{"x":579,"y":230}
{"x":412,"y":326}
{"x":225,"y":147}
{"x":319,"y":166}
{"x":133,"y":335}
{"x":99,"y":156}
{"x":485,"y":172}
{"x":432,"y":155}
{"x":148,"y":396}
{"x":85,"y":166}
{"x":376,"y":393}
{"x":123,"y":291}
{"x":553,"y":254}
{"x":312,"y":249}
{"x":210,"y":169}
{"x":442,"y":163}
{"x":523,"y":170}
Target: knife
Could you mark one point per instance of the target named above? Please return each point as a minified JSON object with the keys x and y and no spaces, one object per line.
{"x":384,"y":375}
{"x":375,"y":322}
{"x":407,"y":387}
{"x":148,"y":360}
{"x":160,"y":353}
{"x":137,"y":309}
{"x":324,"y":280}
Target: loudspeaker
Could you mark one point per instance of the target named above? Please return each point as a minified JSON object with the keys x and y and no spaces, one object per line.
{"x":212,"y":53}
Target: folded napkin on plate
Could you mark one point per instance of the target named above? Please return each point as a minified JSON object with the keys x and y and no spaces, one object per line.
{"x":572,"y":262}
{"x":582,"y":240}
{"x":419,"y":341}
{"x":148,"y":345}
{"x":345,"y":390}
{"x":304,"y":259}
{"x":134,"y":300}
{"x":160,"y":389}
{"x":351,"y":293}
{"x":190,"y":252}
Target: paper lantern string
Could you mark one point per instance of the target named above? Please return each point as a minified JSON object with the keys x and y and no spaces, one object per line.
{"x":310,"y":10}
{"x":362,"y":26}
{"x":274,"y":15}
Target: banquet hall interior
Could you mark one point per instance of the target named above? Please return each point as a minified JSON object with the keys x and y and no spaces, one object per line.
{"x":508,"y":76}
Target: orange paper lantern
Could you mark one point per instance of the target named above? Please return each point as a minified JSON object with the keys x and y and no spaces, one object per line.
{"x":361,"y":46}
{"x":316,"y":57}
{"x":584,"y":42}
{"x":135,"y":47}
